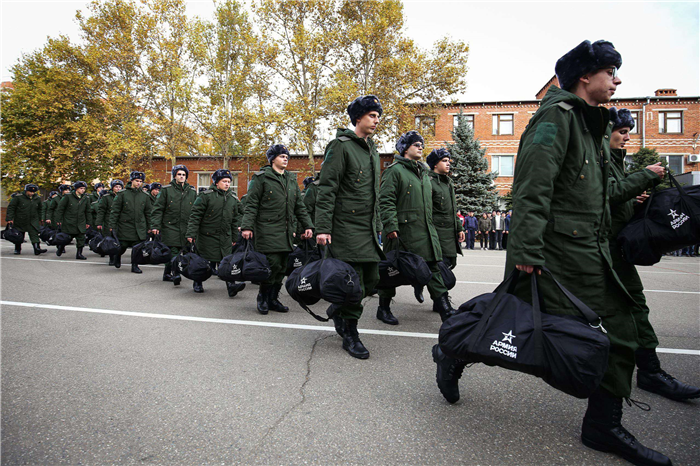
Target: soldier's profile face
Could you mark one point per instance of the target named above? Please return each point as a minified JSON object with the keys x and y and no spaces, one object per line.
{"x":136,"y":183}
{"x":619,"y":138}
{"x":443,"y":166}
{"x":80,"y":191}
{"x":224,"y":184}
{"x":602,"y":84}
{"x":368,"y":122}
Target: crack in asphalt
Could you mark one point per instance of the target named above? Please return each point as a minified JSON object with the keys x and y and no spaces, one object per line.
{"x":302,"y":393}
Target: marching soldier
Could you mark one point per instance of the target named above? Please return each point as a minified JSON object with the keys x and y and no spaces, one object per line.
{"x":406,"y":206}
{"x":309,"y":195}
{"x":97,"y":190}
{"x":153,"y":190}
{"x":623,"y":190}
{"x":104,"y":208}
{"x":45,"y":207}
{"x":170,"y":215}
{"x":130,"y":216}
{"x":347,"y":210}
{"x":63,"y":190}
{"x":213,"y":221}
{"x":273,"y":207}
{"x":23,"y":213}
{"x":74,"y":216}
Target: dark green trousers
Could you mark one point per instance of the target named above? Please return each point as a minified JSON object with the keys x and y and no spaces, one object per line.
{"x":79,"y":239}
{"x":436,"y":285}
{"x":645,"y":332}
{"x":33,"y":234}
{"x":278,"y":265}
{"x":452,"y":261}
{"x":369,"y":277}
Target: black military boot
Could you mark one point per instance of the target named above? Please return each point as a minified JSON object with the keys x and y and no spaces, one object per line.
{"x":79,"y":254}
{"x":111,"y":259}
{"x":351,"y":341}
{"x":117,"y":260}
{"x":384,"y":312}
{"x":338,"y":321}
{"x":167,"y":272}
{"x":602,"y":430}
{"x":234,"y":288}
{"x":135,"y":268}
{"x":273,"y":302}
{"x":18,"y":249}
{"x":198,"y":287}
{"x":263,"y":293}
{"x":652,"y":378}
{"x":449,"y":371}
{"x":59,"y":250}
{"x":38,"y":250}
{"x":444,"y":307}
{"x":418,"y":293}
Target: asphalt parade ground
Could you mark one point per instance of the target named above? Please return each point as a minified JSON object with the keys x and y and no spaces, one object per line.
{"x":102,"y":366}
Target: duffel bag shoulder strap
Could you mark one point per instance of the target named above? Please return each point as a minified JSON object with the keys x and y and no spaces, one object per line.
{"x":301,"y":301}
{"x":593,"y":319}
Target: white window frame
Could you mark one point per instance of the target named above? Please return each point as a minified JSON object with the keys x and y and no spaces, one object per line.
{"x":637,"y":122}
{"x":498,"y":119}
{"x":209,"y":174}
{"x":496,"y":164}
{"x":470,"y":117}
{"x":420,"y":123}
{"x":234,"y":181}
{"x":663,"y":121}
{"x":682,"y":159}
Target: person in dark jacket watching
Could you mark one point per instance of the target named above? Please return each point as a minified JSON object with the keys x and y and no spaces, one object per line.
{"x":484,"y":229}
{"x":23,"y":213}
{"x":130,"y":216}
{"x":74,"y":217}
{"x":272,"y":209}
{"x":104,"y":207}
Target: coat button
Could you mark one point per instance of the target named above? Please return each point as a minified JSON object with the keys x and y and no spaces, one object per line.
{"x":606,"y":136}
{"x":353,"y":211}
{"x":586,"y":162}
{"x":575,"y":232}
{"x":582,"y":176}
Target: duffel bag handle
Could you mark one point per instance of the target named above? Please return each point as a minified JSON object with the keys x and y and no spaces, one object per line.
{"x":594,"y":320}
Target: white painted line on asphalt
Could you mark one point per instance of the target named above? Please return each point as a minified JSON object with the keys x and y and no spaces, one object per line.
{"x":259,"y":324}
{"x":646,"y":291}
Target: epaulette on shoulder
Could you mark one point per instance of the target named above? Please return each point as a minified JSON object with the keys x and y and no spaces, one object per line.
{"x":207,"y":191}
{"x":166,"y":186}
{"x":317,"y":182}
{"x":565,"y":106}
{"x":344,"y":138}
{"x":193,"y":188}
{"x":261,"y":172}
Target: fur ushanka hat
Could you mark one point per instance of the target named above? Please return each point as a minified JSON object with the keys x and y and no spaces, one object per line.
{"x":362,"y":106}
{"x":621,"y":118}
{"x":275,"y":150}
{"x":407,"y":139}
{"x":435,"y":156}
{"x":584,"y":58}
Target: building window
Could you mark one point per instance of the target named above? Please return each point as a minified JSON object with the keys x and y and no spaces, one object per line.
{"x":425,"y":125}
{"x":671,"y":122}
{"x":468,"y":118}
{"x":204,"y":180}
{"x":503,"y":124}
{"x":675,"y":163}
{"x":628,"y":162}
{"x":636,"y":129}
{"x":503,"y":164}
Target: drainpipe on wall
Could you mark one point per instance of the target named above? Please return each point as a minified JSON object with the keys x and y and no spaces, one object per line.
{"x":644,"y":121}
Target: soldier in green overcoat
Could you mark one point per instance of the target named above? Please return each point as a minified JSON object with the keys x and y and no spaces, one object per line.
{"x":406,"y":206}
{"x":448,"y":225}
{"x":63,"y":189}
{"x":213,"y":221}
{"x":74,"y":216}
{"x":104,"y":208}
{"x":625,"y":189}
{"x":97,"y":190}
{"x":561,"y":220}
{"x":272,"y":209}
{"x":347,"y":214}
{"x":24,"y":213}
{"x":170,"y":215}
{"x":130,"y":217}
{"x":45,"y":207}
{"x":153,"y":191}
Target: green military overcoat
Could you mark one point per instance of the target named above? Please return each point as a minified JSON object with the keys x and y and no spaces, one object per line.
{"x":104,"y":208}
{"x":406,"y":206}
{"x":347,"y":203}
{"x":171,"y":212}
{"x":73,"y":213}
{"x":212,"y":223}
{"x":131,"y":214}
{"x":445,"y":219}
{"x":272,"y":208}
{"x":25,"y":212}
{"x":51,"y":209}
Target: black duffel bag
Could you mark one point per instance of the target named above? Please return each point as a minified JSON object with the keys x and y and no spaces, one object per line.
{"x":45,"y":233}
{"x":448,"y":275}
{"x":58,"y":238}
{"x":570,"y":353}
{"x":245,"y":264}
{"x":191,"y":265}
{"x":13,"y":235}
{"x":402,"y":267}
{"x":94,"y":243}
{"x":90,"y":233}
{"x":306,"y":252}
{"x":329,"y":279}
{"x":152,"y":251}
{"x":110,"y":244}
{"x":668,"y":220}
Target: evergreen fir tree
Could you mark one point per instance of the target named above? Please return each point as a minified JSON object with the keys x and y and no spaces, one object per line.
{"x":645,"y":157}
{"x":474,"y":187}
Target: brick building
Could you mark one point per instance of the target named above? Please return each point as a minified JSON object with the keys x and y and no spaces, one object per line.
{"x":665,"y":122}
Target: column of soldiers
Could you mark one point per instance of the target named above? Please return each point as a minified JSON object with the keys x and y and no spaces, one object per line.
{"x":570,"y":193}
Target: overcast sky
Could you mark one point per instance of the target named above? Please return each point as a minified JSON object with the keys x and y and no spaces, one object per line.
{"x":513,"y":46}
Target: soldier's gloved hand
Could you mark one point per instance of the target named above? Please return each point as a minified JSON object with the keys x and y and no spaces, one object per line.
{"x":247,"y":234}
{"x":393,"y":235}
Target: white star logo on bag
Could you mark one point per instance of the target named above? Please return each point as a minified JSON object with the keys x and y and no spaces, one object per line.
{"x":673,"y":214}
{"x":508,"y":336}
{"x":303,"y":281}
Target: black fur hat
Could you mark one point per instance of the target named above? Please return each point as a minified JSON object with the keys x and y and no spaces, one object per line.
{"x":116,"y":182}
{"x":79,"y":184}
{"x":407,"y":139}
{"x":275,"y":150}
{"x":584,"y":58}
{"x":435,"y":156}
{"x":52,"y":194}
{"x":63,"y":187}
{"x":177,"y":168}
{"x":621,"y":118}
{"x":98,"y":185}
{"x":103,"y":193}
{"x":220,"y":174}
{"x":202,"y":189}
{"x":362,"y":106}
{"x":308,"y":180}
{"x":155,"y":186}
{"x":136,"y":175}
{"x":31,"y":187}
{"x":147,"y":187}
